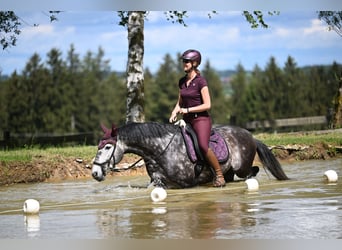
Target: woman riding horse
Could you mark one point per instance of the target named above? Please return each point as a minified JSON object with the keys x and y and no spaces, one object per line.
{"x":194,"y":103}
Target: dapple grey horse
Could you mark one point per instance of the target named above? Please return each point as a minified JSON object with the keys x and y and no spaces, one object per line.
{"x":164,"y":152}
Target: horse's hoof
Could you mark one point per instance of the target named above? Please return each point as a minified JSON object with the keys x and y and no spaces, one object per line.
{"x":254,"y":172}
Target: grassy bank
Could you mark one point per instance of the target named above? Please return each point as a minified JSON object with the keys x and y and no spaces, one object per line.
{"x":331,"y":137}
{"x":53,"y":153}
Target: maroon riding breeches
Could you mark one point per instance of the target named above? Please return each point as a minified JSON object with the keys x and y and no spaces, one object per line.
{"x":202,"y":127}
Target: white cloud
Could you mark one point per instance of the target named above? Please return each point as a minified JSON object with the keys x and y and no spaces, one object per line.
{"x":316,"y":27}
{"x":32,"y":31}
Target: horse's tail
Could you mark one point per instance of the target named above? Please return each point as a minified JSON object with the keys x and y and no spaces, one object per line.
{"x":269,"y":161}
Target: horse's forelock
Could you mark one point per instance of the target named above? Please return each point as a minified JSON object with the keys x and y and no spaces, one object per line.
{"x":103,"y":142}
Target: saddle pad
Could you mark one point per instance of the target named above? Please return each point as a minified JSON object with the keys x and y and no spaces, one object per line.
{"x":216,"y":143}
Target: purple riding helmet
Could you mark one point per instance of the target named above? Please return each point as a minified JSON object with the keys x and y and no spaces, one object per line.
{"x":192,"y":55}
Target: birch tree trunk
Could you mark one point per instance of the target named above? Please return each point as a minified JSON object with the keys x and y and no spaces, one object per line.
{"x":135,"y":71}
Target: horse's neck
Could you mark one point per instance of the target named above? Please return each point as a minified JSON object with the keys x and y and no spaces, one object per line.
{"x":146,"y":147}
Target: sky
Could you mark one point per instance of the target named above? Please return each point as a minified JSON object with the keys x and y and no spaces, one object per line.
{"x":225,"y":40}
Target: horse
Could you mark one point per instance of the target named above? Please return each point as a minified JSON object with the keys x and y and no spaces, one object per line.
{"x":163,"y":149}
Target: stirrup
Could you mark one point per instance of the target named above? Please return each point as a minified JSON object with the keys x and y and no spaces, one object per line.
{"x":219,"y":181}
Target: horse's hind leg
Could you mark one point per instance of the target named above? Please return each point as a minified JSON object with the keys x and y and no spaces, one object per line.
{"x":254,"y":172}
{"x":229,"y":175}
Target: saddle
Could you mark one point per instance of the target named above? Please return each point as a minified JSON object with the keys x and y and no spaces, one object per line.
{"x":216,"y":143}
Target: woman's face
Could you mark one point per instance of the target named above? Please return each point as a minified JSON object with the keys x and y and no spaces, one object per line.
{"x":187,"y":65}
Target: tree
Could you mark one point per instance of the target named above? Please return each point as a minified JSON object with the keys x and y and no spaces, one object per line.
{"x":135,"y":70}
{"x":238,"y":84}
{"x":337,"y":119}
{"x":333,"y":19}
{"x":251,"y":99}
{"x":9,"y":28}
{"x":57,"y":116}
{"x":220,"y":110}
{"x":294,"y":84}
{"x":162,"y":92}
{"x":269,"y":91}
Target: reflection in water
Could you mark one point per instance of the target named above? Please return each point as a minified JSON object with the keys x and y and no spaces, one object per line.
{"x":193,"y":221}
{"x":32,"y":223}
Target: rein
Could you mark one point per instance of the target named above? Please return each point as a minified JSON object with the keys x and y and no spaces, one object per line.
{"x":127,"y":168}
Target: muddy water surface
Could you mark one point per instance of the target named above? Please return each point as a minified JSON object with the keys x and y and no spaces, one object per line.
{"x":305,"y":207}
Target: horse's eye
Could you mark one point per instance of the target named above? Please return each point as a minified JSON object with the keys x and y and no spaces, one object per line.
{"x":108,"y":147}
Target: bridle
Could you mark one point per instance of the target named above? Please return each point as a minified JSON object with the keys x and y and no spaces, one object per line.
{"x":107,"y":162}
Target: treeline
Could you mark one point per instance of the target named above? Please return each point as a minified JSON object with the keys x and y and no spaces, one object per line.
{"x":73,"y":95}
{"x":62,"y":95}
{"x":276,"y":93}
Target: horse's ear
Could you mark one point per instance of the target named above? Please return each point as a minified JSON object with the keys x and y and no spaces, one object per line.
{"x":114,"y":131}
{"x":104,"y":129}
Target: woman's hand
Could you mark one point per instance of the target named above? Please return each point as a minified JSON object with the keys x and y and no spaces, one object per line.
{"x":184,"y":111}
{"x":173,"y":117}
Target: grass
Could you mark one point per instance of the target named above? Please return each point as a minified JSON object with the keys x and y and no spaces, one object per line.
{"x":29,"y":153}
{"x":333,"y":138}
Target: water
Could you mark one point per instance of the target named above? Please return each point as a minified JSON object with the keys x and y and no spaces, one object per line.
{"x":305,"y":207}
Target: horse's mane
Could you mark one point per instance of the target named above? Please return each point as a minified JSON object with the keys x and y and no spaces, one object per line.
{"x":140,"y":131}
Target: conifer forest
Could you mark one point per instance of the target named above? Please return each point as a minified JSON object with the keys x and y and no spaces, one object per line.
{"x":74,"y":94}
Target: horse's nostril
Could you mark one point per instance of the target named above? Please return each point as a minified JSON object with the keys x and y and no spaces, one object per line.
{"x":94,"y":174}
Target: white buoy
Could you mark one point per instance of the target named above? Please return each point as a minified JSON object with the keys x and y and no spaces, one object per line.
{"x":158,"y":194}
{"x":331,"y":176}
{"x":31,"y":206}
{"x":252,"y":184}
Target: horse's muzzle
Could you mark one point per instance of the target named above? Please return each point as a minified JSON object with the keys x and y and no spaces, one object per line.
{"x":97,"y":173}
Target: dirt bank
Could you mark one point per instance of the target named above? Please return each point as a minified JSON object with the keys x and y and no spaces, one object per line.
{"x":65,"y":168}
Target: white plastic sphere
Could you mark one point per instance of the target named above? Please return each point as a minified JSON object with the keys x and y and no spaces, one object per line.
{"x":331,"y":175}
{"x":31,"y":206}
{"x":158,"y":194}
{"x":252,"y":184}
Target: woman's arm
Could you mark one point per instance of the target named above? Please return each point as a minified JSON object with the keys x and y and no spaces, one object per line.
{"x":176,"y":110}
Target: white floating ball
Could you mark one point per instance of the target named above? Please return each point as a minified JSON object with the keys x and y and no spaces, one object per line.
{"x":331,"y":176}
{"x":31,"y":206}
{"x":252,"y":184}
{"x":158,"y":194}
